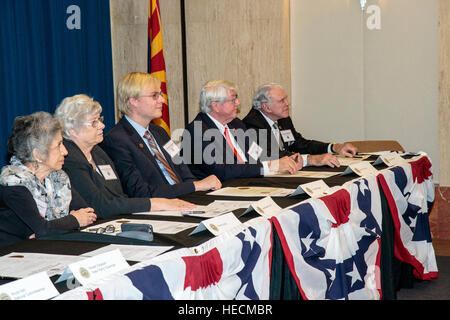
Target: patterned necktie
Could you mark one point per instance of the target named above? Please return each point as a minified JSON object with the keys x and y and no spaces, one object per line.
{"x":227,"y":137}
{"x":277,"y":132}
{"x":161,"y":158}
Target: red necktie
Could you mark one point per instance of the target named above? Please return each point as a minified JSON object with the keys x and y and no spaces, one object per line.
{"x":227,"y":137}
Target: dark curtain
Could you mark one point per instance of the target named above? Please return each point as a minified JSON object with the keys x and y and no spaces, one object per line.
{"x":51,"y":49}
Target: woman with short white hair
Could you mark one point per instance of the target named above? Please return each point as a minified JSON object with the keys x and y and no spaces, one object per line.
{"x":91,"y":170}
{"x":37,"y":149}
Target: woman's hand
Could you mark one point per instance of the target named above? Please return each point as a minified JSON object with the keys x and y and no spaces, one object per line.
{"x":161,"y":204}
{"x":85,"y":216}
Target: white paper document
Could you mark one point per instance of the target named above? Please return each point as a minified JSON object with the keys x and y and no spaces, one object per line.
{"x":35,"y":287}
{"x":219,"y":225}
{"x":266,"y":207}
{"x":131,"y":252}
{"x":362,"y":169}
{"x":252,"y":192}
{"x":94,"y":268}
{"x":21,"y":265}
{"x":218,"y":207}
{"x":346,"y":161}
{"x":303,"y":174}
{"x":166,"y":227}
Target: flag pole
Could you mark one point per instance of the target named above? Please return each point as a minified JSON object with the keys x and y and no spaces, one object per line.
{"x":184,"y":62}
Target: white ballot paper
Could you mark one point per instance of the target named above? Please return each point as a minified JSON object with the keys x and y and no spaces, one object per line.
{"x":24,"y":264}
{"x":252,"y":192}
{"x":131,"y":252}
{"x":363,"y":168}
{"x":390,"y":159}
{"x":167,"y":227}
{"x":265,"y":207}
{"x":35,"y":287}
{"x":219,"y":225}
{"x":94,"y":268}
{"x":313,"y":189}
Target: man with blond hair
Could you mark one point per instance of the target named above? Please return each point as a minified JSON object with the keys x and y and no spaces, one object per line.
{"x":142,"y":152}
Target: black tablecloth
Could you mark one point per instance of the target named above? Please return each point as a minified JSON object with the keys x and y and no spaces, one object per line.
{"x":394,"y":274}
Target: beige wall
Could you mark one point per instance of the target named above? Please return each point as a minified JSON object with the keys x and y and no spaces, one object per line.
{"x":444,"y":91}
{"x":352,"y":83}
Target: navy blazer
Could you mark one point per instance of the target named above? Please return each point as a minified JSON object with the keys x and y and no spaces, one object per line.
{"x":105,"y":196}
{"x":137,"y":168}
{"x":196,"y":145}
{"x":255,"y":120}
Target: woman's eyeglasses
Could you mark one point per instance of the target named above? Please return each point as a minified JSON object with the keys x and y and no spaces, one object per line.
{"x":94,"y":123}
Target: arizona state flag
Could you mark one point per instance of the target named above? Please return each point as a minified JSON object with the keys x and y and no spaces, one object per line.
{"x":157,"y":65}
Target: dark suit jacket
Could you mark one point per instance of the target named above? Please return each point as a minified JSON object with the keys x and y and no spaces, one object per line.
{"x":20,"y":218}
{"x":105,"y":196}
{"x":137,"y":168}
{"x":196,"y":145}
{"x":255,"y":120}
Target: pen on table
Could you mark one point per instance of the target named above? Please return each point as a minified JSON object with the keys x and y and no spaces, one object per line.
{"x":192,"y":212}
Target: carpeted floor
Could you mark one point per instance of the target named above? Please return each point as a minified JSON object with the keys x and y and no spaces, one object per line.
{"x":438,"y":289}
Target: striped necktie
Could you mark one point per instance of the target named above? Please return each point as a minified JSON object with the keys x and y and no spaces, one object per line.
{"x":228,"y":138}
{"x":161,"y":158}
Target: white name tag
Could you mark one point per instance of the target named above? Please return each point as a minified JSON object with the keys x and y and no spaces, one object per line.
{"x":255,"y":151}
{"x":95,"y":268}
{"x":35,"y":287}
{"x":171,"y":148}
{"x":220,"y":224}
{"x":107,"y":172}
{"x":287,"y":135}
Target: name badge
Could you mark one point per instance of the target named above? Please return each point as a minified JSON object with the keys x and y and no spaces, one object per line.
{"x":107,"y":172}
{"x":287,"y":135}
{"x":35,"y":287}
{"x":171,"y":148}
{"x":255,"y":151}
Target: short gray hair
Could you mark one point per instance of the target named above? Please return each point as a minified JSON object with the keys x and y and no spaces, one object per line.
{"x":262,"y":94}
{"x":214,"y":90}
{"x":34,"y":131}
{"x":73,"y":111}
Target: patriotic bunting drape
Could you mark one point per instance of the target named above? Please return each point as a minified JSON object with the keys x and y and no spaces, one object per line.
{"x":331,"y":245}
{"x":156,"y":62}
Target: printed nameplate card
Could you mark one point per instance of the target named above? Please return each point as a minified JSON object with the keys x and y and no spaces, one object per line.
{"x":391,"y":159}
{"x":266,"y":207}
{"x":94,"y":268}
{"x":219,"y":225}
{"x":315,"y":189}
{"x":34,"y":287}
{"x":362,"y":169}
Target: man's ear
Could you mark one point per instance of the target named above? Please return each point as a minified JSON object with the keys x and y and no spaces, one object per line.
{"x":214,"y":106}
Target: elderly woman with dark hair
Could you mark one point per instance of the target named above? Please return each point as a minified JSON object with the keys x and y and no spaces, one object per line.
{"x":90,"y":169}
{"x":37,"y":158}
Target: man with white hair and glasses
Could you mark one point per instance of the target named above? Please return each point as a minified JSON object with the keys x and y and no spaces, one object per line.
{"x":270,"y":114}
{"x":216,"y":141}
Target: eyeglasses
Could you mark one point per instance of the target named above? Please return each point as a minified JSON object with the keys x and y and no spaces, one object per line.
{"x":108,"y":229}
{"x":154,"y":95}
{"x":233,"y":100}
{"x":94,"y":123}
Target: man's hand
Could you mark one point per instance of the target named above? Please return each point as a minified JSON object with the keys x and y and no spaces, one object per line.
{"x":323,"y":159}
{"x":346,"y":149}
{"x":209,"y":183}
{"x":286,"y":163}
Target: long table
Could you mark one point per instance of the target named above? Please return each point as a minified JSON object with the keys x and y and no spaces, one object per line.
{"x":278,"y":272}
